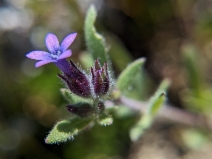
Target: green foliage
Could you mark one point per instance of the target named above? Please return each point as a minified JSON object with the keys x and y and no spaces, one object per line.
{"x":86,"y":60}
{"x":67,"y":129}
{"x":95,"y":42}
{"x":194,"y":138}
{"x":158,"y":98}
{"x":128,"y":74}
{"x":198,"y":95}
{"x":123,"y":112}
{"x":105,"y":119}
{"x":156,"y":103}
{"x":116,"y":51}
{"x":191,"y":62}
{"x":154,"y":106}
{"x":202,"y":103}
{"x":137,"y":131}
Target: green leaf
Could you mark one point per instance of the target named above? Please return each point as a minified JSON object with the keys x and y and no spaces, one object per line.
{"x":67,"y":129}
{"x":86,"y":60}
{"x":105,"y":119}
{"x":128,"y":74}
{"x":95,"y":42}
{"x":194,"y":139}
{"x":72,"y":98}
{"x":192,"y":63}
{"x":155,"y":104}
{"x":121,"y":111}
{"x":116,"y":51}
{"x":158,"y":98}
{"x":137,"y":131}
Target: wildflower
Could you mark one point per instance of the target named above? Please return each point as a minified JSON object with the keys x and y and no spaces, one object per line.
{"x":77,"y":81}
{"x":100,"y":78}
{"x":57,"y":53}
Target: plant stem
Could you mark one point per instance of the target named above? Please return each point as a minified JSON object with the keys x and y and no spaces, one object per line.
{"x":170,"y":113}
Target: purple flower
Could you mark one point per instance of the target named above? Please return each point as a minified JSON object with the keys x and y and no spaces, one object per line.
{"x":77,"y":81}
{"x":56,"y":52}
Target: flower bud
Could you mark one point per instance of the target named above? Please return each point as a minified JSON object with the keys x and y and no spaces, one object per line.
{"x":77,"y":81}
{"x":100,"y":78}
{"x":100,"y":107}
{"x":80,"y":109}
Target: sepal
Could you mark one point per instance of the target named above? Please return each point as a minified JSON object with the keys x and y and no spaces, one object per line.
{"x":77,"y":81}
{"x":81,"y":109}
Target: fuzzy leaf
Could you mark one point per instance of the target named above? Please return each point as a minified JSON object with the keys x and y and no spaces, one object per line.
{"x":118,"y":50}
{"x":155,"y":104}
{"x":123,"y":112}
{"x":128,"y":74}
{"x":72,"y":98}
{"x":66,"y":129}
{"x":158,"y":98}
{"x":95,"y":42}
{"x":86,"y":60}
{"x":143,"y":124}
{"x":105,"y":119}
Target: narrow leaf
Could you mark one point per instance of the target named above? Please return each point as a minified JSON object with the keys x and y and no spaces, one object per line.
{"x":66,"y":129}
{"x":95,"y":42}
{"x":128,"y":74}
{"x":137,"y":131}
{"x":155,"y":104}
{"x":118,"y":50}
{"x":158,"y":98}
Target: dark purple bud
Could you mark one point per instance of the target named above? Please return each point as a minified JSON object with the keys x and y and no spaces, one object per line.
{"x":77,"y":81}
{"x":81,"y":109}
{"x":100,"y":78}
{"x":100,"y":107}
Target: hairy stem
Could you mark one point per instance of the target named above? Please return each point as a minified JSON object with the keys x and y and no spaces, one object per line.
{"x":170,"y":113}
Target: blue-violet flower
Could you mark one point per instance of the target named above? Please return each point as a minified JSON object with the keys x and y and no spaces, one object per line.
{"x":57,"y":53}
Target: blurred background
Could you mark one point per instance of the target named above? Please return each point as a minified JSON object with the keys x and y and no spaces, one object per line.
{"x":175,"y":37}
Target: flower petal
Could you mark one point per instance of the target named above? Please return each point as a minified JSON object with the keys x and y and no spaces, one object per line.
{"x":65,"y":54}
{"x":39,"y":55}
{"x":67,"y":41}
{"x":52,"y":42}
{"x":41,"y":63}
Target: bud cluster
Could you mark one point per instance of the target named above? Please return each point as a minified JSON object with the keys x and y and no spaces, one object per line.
{"x":80,"y":84}
{"x":92,"y":86}
{"x":100,"y":79}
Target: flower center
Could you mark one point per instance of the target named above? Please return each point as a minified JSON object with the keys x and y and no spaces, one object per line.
{"x":56,"y":54}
